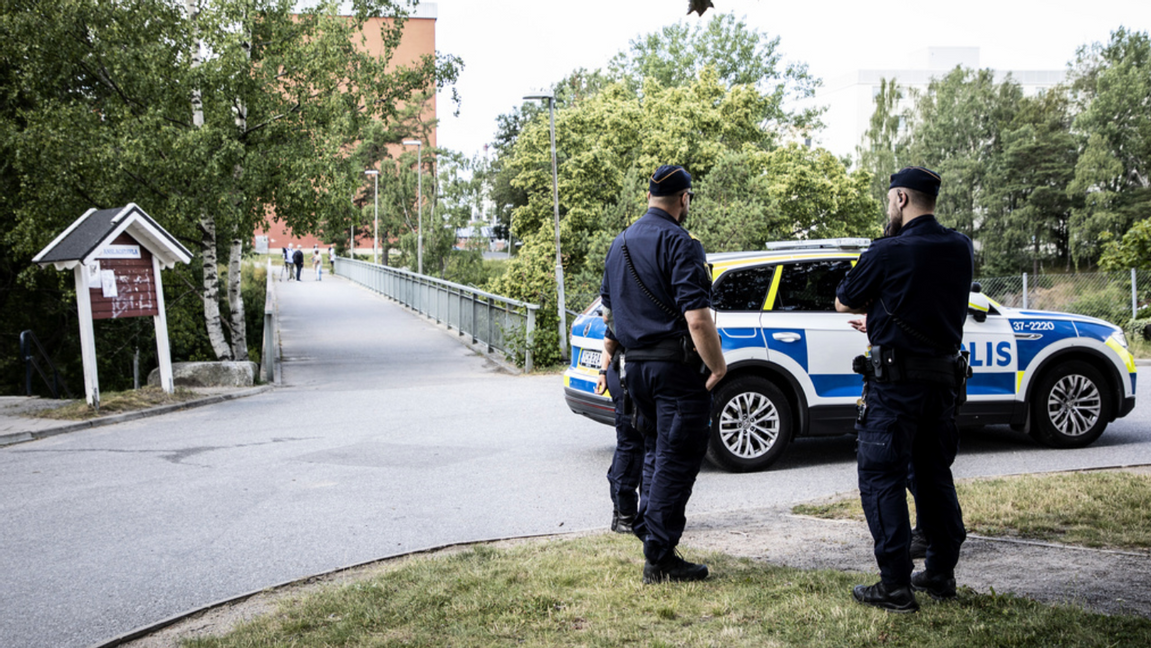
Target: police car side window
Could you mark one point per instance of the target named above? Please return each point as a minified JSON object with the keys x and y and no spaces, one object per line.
{"x":742,"y":290}
{"x":810,"y":286}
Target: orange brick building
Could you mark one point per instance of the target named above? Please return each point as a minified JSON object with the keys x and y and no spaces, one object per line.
{"x":419,"y":39}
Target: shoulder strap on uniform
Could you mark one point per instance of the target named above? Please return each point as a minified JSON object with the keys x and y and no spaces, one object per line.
{"x":922,"y":337}
{"x":639,"y":282}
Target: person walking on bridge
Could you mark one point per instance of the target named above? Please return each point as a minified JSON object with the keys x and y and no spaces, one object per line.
{"x":298,"y":259}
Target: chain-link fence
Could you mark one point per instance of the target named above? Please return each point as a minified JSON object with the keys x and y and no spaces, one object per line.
{"x":1113,"y":296}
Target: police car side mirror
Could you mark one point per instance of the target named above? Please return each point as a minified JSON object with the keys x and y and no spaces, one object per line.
{"x":978,"y":305}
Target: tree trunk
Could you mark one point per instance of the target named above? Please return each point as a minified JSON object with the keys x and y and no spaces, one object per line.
{"x":211,"y":293}
{"x":236,"y":301}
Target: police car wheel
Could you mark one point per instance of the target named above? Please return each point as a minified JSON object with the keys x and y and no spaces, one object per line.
{"x":751,"y":424}
{"x":1071,"y":406}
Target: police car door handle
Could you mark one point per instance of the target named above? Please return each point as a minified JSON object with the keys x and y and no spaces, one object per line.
{"x":787,"y":336}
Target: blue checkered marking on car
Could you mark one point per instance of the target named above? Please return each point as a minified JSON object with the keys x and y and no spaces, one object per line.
{"x":1048,"y":332}
{"x":796,"y":350}
{"x":581,"y":384}
{"x":991,"y":383}
{"x":835,"y":385}
{"x":1094,"y":330}
{"x":740,"y":338}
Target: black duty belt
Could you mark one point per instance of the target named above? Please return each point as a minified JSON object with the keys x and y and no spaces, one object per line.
{"x":669,"y":350}
{"x":891,"y":365}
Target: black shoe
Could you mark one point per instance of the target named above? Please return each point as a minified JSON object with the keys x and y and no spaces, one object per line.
{"x":673,"y":569}
{"x":622,"y":523}
{"x":937,"y":586}
{"x":899,"y":599}
{"x":918,"y":544}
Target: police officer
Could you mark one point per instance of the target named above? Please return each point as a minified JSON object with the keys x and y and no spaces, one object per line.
{"x":625,"y":476}
{"x":913,"y":286}
{"x":657,"y":295}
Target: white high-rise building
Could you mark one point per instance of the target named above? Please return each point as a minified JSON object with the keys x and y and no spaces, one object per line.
{"x":850,"y":98}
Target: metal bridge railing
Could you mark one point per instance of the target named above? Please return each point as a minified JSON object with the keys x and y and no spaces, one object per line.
{"x":487,"y":318}
{"x":270,"y":352}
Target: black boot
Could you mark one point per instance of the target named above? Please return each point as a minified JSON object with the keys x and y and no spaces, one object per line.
{"x":673,"y":569}
{"x":896,"y":599}
{"x":938,"y":586}
{"x":622,"y":523}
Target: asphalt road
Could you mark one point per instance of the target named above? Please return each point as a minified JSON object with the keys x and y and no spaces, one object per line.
{"x":389,"y":436}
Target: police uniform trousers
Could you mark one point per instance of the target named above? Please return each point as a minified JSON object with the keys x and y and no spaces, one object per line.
{"x":909,"y":429}
{"x":675,"y":397}
{"x":625,"y":477}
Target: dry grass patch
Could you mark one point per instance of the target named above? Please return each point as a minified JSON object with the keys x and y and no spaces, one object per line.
{"x":119,"y":402}
{"x":1110,"y":509}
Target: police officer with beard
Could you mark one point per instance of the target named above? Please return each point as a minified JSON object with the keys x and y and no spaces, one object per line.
{"x":657,"y":295}
{"x":913,"y":286}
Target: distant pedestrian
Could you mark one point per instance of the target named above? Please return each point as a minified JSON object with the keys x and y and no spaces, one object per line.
{"x":332,"y":257}
{"x":298,"y":259}
{"x":318,"y":264}
{"x":287,"y":269}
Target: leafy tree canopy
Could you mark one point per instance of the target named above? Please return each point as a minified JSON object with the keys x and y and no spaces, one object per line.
{"x":1113,"y":176}
{"x":1056,"y":178}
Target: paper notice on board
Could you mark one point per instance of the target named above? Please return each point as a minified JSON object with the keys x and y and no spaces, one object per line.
{"x":108,"y":283}
{"x":93,"y":268}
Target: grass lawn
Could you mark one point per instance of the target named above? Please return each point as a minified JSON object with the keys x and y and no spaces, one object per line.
{"x":588,"y":592}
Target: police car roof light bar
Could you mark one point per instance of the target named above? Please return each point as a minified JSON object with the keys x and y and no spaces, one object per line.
{"x":839,"y":243}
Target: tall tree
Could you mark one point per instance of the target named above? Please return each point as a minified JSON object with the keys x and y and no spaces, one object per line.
{"x":958,"y":129}
{"x":675,"y":56}
{"x":881,"y":151}
{"x":789,"y":193}
{"x":612,"y":141}
{"x":1026,"y":203}
{"x":1112,"y":82}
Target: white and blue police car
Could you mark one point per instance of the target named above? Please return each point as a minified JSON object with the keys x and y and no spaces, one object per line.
{"x":1060,"y":377}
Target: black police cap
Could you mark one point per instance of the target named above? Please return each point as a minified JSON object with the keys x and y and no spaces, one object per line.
{"x":669,"y":180}
{"x":917,"y":178}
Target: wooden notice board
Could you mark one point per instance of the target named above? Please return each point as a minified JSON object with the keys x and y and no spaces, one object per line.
{"x":122,"y":281}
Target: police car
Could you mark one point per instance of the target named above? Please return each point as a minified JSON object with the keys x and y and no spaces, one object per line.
{"x":1061,"y":377}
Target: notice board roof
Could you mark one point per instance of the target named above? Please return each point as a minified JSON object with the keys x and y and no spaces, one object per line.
{"x":85,"y":238}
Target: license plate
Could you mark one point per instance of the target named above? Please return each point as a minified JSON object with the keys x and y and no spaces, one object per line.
{"x":590,"y":358}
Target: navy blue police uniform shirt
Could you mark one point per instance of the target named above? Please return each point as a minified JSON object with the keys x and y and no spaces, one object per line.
{"x":923,"y":277}
{"x":673,"y":267}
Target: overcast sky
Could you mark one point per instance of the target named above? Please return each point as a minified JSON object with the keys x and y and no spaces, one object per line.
{"x":510,"y":47}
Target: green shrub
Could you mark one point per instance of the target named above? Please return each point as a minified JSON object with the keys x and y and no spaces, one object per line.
{"x":1111,"y":303}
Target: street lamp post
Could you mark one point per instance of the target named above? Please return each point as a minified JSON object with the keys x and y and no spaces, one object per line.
{"x":419,"y":203}
{"x":376,"y":211}
{"x":551,"y":99}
